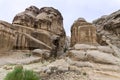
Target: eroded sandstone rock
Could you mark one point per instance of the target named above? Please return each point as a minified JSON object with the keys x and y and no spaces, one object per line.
{"x":84,"y":47}
{"x":49,"y":17}
{"x":7,"y":36}
{"x":40,"y":29}
{"x":51,"y":20}
{"x":45,"y":54}
{"x":97,"y":54}
{"x":27,"y":17}
{"x":83,"y":32}
{"x":35,"y":29}
{"x":109,"y":27}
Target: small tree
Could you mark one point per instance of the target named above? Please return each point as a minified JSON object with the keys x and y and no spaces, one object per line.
{"x":20,"y":74}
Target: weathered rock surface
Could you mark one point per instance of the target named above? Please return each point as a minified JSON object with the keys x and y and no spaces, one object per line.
{"x":83,"y":32}
{"x":45,"y":54}
{"x":105,"y":49}
{"x":40,"y":29}
{"x":35,"y":29}
{"x":84,"y":47}
{"x":92,"y":53}
{"x":7,"y":36}
{"x":67,"y":40}
{"x":27,"y":17}
{"x":18,"y":57}
{"x":50,"y":19}
{"x":109,"y":27}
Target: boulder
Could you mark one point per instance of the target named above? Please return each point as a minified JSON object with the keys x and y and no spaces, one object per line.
{"x":44,"y":54}
{"x":57,"y":66}
{"x":84,"y":47}
{"x":102,"y":57}
{"x":77,"y":55}
{"x":94,"y":56}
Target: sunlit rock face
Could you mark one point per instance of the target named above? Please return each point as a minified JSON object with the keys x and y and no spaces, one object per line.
{"x":108,"y":26}
{"x":83,"y":32}
{"x":7,"y":36}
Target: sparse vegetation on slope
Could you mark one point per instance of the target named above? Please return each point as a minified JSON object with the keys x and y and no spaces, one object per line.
{"x":20,"y":74}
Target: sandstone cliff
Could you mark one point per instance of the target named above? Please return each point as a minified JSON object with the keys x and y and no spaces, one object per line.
{"x":36,"y":28}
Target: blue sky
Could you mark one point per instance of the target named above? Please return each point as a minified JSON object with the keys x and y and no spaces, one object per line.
{"x":70,"y":9}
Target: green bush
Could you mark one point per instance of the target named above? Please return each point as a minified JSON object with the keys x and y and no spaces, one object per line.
{"x":21,"y":74}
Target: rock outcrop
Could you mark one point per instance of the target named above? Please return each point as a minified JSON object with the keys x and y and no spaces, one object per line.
{"x":7,"y":36}
{"x":28,"y":37}
{"x":84,"y":52}
{"x":27,"y":17}
{"x":39,"y":28}
{"x":44,"y":54}
{"x":83,"y":32}
{"x":108,"y":28}
{"x":51,"y":20}
{"x":35,"y":28}
{"x":84,"y":45}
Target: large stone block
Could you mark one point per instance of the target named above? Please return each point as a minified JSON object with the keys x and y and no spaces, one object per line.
{"x":83,"y":32}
